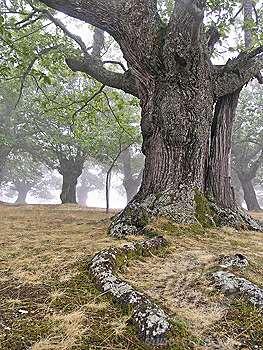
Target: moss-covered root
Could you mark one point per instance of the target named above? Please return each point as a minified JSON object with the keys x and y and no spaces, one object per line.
{"x":231,"y":284}
{"x":150,"y":320}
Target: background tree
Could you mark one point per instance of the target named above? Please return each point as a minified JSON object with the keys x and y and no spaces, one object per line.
{"x":73,"y":114}
{"x":92,"y":178}
{"x":132,"y":169}
{"x":247,"y":150}
{"x":22,"y":175}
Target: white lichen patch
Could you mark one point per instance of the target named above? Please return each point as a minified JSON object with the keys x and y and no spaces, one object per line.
{"x":150,"y":319}
{"x":229,"y":283}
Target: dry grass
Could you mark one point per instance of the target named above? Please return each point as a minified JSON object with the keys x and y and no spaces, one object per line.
{"x":49,"y":303}
{"x":181,"y":279}
{"x":46,"y":303}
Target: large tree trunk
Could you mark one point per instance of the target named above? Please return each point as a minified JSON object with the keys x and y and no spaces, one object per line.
{"x":68,"y":193}
{"x":22,"y":194}
{"x":171,"y":73}
{"x":218,"y":177}
{"x":176,"y":122}
{"x":187,"y":174}
{"x":249,"y":194}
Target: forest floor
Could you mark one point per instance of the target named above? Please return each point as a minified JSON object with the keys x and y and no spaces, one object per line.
{"x":48,"y":301}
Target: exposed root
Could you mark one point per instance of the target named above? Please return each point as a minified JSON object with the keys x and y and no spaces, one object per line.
{"x":231,"y":284}
{"x":139,"y":212}
{"x":237,"y":218}
{"x":151,"y":321}
{"x":182,"y":208}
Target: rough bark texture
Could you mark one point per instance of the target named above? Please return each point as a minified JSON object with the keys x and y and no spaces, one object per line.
{"x":171,"y":72}
{"x":218,"y":181}
{"x":151,"y":321}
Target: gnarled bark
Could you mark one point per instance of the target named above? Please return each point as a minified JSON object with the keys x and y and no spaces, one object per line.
{"x":177,"y":86}
{"x":218,"y":173}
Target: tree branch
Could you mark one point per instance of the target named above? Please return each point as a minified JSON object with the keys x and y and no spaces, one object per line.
{"x":92,"y":64}
{"x":94,"y":67}
{"x":127,"y":21}
{"x":103,"y":14}
{"x":187,"y":19}
{"x":62,"y":26}
{"x":29,"y":68}
{"x":237,"y":72}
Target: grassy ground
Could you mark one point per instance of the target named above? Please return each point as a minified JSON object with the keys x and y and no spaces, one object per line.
{"x":49,"y":303}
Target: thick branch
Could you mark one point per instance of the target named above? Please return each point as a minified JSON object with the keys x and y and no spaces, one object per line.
{"x":237,"y":72}
{"x":101,"y":13}
{"x":187,"y":19}
{"x":94,"y":67}
{"x":127,"y":21}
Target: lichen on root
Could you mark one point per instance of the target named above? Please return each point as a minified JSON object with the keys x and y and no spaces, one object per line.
{"x":231,"y":284}
{"x":150,"y":320}
{"x":186,"y":207}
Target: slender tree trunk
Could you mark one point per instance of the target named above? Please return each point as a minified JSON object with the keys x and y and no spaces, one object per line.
{"x":239,"y":196}
{"x":82,"y":195}
{"x":107,"y":189}
{"x":249,"y":194}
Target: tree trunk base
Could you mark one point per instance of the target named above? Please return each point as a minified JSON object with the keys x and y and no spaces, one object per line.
{"x":184,"y":208}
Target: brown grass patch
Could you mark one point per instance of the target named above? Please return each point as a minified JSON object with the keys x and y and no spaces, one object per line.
{"x":181,"y":281}
{"x":49,"y":303}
